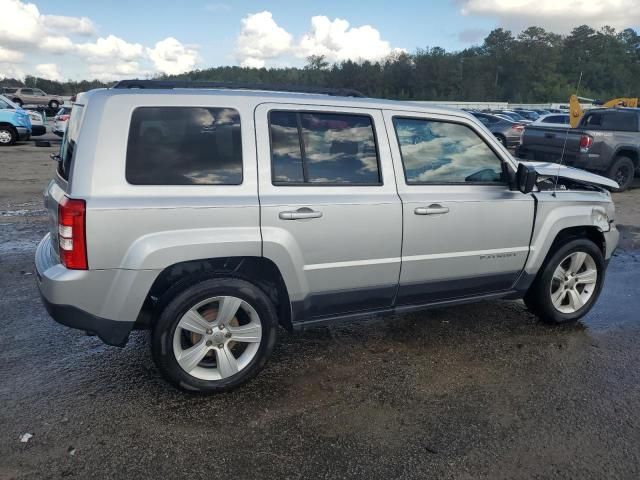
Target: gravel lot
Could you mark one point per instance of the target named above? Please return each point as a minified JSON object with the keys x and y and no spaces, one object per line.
{"x":478,"y":391}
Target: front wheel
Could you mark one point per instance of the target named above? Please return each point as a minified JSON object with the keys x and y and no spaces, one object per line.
{"x":568,"y":284}
{"x":215,"y":335}
{"x":7,"y":136}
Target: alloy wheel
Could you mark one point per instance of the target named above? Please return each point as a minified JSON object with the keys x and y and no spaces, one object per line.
{"x":574,"y":282}
{"x":217,"y":338}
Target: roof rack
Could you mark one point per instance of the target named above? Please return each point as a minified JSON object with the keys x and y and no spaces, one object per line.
{"x":171,"y":84}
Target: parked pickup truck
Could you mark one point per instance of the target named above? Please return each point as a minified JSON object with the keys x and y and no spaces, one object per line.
{"x":607,"y":141}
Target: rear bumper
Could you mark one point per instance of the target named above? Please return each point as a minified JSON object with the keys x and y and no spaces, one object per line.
{"x":110,"y":332}
{"x":103,"y":302}
{"x":37,"y":130}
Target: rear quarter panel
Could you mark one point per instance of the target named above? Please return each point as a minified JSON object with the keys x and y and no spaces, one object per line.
{"x":151,"y":227}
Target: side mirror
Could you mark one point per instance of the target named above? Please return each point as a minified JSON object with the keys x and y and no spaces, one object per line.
{"x":526,"y":178}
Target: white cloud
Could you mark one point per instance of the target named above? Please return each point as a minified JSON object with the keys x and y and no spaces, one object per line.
{"x":78,"y":25}
{"x":8,"y":55}
{"x":556,"y":15}
{"x":56,"y":44}
{"x":25,"y":33}
{"x":337,"y":41}
{"x":49,"y":71}
{"x":261,"y":39}
{"x":111,"y":48}
{"x":116,"y":70}
{"x":172,"y":57}
{"x":9,"y":70}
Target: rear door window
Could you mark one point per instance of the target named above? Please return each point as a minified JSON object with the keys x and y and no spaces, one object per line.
{"x":184,"y":146}
{"x":323,"y":149}
{"x":620,"y":121}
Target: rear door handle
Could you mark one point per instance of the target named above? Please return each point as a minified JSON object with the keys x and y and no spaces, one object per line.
{"x":300,"y":214}
{"x":433,"y":209}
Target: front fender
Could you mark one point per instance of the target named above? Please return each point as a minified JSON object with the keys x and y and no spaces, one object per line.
{"x":557,"y":213}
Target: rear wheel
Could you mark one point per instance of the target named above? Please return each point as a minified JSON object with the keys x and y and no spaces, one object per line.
{"x":7,"y":136}
{"x":568,"y":284}
{"x":17,"y":101}
{"x":215,"y":335}
{"x":501,"y":139}
{"x":622,"y":171}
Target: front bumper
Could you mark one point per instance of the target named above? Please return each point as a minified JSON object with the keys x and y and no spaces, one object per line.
{"x":24,"y":133}
{"x":90,"y":300}
{"x":611,"y":239}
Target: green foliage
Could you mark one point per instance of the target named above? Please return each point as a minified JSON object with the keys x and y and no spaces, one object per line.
{"x":534,"y":66}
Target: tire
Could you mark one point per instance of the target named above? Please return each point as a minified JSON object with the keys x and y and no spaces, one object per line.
{"x":54,"y":104}
{"x":8,"y":136}
{"x":622,"y":171}
{"x":175,"y":333}
{"x":501,"y":139}
{"x":17,"y":101}
{"x":539,"y":297}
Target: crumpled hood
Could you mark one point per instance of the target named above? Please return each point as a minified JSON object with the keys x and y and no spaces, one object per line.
{"x":549,"y":169}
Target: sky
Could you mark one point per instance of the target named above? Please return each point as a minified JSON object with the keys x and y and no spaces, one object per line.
{"x":111,"y":40}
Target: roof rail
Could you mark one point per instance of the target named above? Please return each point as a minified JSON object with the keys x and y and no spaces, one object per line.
{"x":171,"y":84}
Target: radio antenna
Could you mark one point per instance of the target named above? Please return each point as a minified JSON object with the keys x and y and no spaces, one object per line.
{"x":564,"y":146}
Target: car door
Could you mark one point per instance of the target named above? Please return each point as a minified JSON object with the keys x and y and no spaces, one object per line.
{"x":26,"y":94}
{"x":331,"y":219}
{"x":39,"y":97}
{"x":465,"y":232}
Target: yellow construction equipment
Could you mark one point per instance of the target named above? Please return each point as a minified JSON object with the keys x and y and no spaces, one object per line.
{"x":576,"y":112}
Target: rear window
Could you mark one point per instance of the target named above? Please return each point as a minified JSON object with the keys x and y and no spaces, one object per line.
{"x":69,"y":142}
{"x":620,"y":121}
{"x":323,"y":149}
{"x":184,"y":146}
{"x":617,"y":121}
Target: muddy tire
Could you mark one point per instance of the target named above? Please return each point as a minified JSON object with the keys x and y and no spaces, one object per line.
{"x":215,"y":335}
{"x":568,"y":283}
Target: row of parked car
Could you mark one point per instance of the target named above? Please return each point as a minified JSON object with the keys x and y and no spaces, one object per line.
{"x":20,"y":124}
{"x":508,"y":125}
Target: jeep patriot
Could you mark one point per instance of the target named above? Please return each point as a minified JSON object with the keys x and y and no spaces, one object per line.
{"x":213,"y":215}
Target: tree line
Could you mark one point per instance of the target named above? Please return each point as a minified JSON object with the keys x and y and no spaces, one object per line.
{"x":533,"y":66}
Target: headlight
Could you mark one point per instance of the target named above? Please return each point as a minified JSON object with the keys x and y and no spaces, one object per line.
{"x":600,"y":219}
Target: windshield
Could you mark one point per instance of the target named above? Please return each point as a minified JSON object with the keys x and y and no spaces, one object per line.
{"x":9,"y":103}
{"x":69,"y":142}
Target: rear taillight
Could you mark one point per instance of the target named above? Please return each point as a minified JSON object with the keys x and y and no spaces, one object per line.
{"x":517,"y":127}
{"x":585,"y":143}
{"x":63,"y":118}
{"x":71,"y":233}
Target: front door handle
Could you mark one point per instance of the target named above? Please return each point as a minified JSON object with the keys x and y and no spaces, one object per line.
{"x":300,"y":214}
{"x":433,"y":209}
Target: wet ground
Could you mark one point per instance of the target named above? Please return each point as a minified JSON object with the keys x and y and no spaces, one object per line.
{"x":479,"y":391}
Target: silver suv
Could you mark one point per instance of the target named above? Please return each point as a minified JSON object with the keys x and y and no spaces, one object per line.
{"x":213,"y":215}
